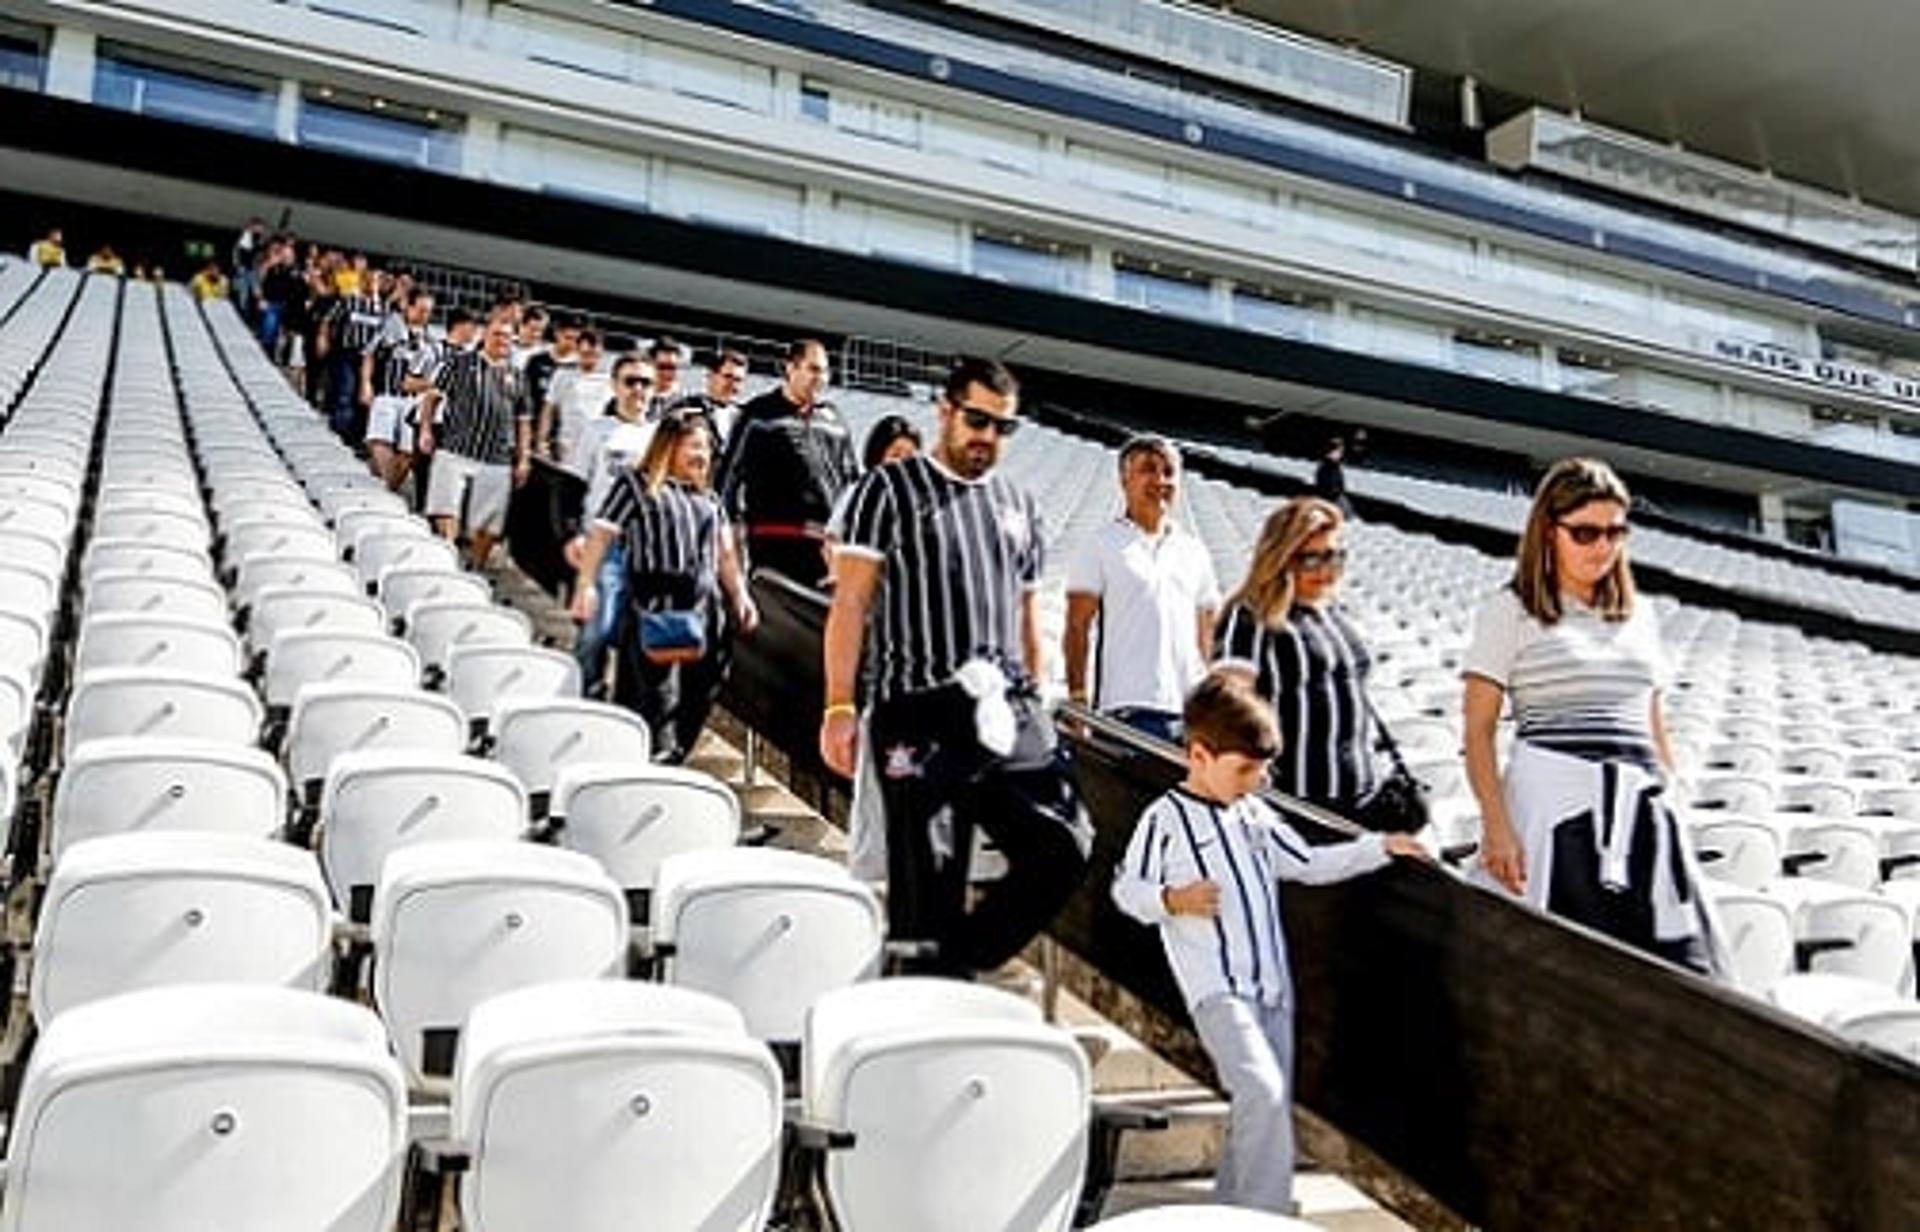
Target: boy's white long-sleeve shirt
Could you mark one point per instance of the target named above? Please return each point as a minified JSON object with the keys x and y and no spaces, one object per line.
{"x":1247,"y":850}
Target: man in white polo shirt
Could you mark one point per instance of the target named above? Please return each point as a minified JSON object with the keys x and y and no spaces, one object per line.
{"x":1148,"y":587}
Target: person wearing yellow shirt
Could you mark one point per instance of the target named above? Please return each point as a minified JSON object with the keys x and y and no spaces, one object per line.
{"x":106,"y":261}
{"x":209,"y":283}
{"x":49,"y":250}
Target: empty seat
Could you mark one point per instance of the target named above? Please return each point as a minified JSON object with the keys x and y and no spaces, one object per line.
{"x":669,"y":1108}
{"x":537,"y":739}
{"x":133,"y":556}
{"x":29,"y":589}
{"x":331,"y":719}
{"x":305,"y":657}
{"x":631,"y":816}
{"x":196,"y":599}
{"x":455,"y":923}
{"x":1843,"y":852}
{"x":1757,"y":938}
{"x":402,"y":587}
{"x":1734,"y":793}
{"x":374,"y":556}
{"x":140,"y":784}
{"x":257,"y":574}
{"x":1737,"y":850}
{"x":284,"y":609}
{"x":137,"y":910}
{"x":42,"y":554}
{"x":259,"y":1110}
{"x":23,"y":640}
{"x":434,"y":628}
{"x":272,"y":539}
{"x":374,"y":803}
{"x":165,"y":643}
{"x":480,"y":675}
{"x":1744,"y":757}
{"x":143,"y":702}
{"x":152,"y":526}
{"x":1820,"y":797}
{"x":926,"y":1069}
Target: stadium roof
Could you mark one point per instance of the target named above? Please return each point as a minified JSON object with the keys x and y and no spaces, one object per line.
{"x":1822,"y":93}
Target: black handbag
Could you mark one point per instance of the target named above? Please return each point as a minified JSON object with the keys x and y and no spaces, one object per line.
{"x":1398,"y":802}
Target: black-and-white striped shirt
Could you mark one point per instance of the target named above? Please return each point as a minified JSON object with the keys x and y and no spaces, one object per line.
{"x":482,"y":400}
{"x":360,"y":318}
{"x":673,"y":532}
{"x":1314,"y":670}
{"x":959,"y":556}
{"x":399,"y":352}
{"x":1246,"y":849}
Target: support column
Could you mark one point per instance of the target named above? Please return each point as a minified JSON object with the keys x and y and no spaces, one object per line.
{"x":1773,"y":516}
{"x":70,"y":61}
{"x":286,"y":112}
{"x":480,"y":147}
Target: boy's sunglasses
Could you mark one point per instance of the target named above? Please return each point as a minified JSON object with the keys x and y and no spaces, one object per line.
{"x":1309,"y":562}
{"x":1586,"y":534}
{"x":981,"y":421}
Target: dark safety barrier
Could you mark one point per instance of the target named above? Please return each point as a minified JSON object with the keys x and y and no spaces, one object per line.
{"x":1527,"y":1074}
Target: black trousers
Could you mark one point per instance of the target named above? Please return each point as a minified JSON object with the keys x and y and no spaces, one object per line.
{"x":674,"y":699}
{"x":938,"y":787}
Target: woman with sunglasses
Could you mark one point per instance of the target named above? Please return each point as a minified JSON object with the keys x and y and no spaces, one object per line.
{"x":1579,"y":824}
{"x":1284,"y":630}
{"x":680,"y":559}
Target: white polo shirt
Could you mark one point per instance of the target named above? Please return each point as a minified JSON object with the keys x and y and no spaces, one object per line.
{"x":1151,"y":590}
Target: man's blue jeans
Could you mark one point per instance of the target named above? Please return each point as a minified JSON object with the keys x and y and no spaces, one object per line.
{"x":597,"y":636}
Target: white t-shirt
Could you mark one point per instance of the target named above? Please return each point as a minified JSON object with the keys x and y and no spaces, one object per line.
{"x":613,"y":445}
{"x":1151,"y":590}
{"x":1581,"y":679}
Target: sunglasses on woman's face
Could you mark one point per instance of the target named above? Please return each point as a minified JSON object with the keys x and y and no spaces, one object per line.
{"x":1313,"y":562}
{"x":981,"y":421}
{"x":1586,"y":534}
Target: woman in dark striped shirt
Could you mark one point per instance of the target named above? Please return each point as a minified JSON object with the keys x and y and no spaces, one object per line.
{"x":1284,"y":630}
{"x":680,"y":558}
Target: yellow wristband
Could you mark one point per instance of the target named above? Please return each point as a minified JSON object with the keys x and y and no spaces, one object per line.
{"x":846,"y":708}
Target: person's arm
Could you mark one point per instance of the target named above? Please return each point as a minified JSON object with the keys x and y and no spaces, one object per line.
{"x":366,"y":377}
{"x":430,"y":398}
{"x":1032,"y":647}
{"x":1077,"y":642}
{"x":543,"y":431}
{"x":522,"y":449}
{"x":1500,"y":852}
{"x":1204,"y":619}
{"x":1662,"y":741}
{"x":733,"y":581}
{"x":593,"y":550}
{"x":859,"y":581}
{"x":1139,"y":880}
{"x":1299,"y":860}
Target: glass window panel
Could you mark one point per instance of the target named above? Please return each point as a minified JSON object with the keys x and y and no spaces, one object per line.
{"x":561,"y":42}
{"x":1022,"y":261}
{"x":1277,"y":312}
{"x":383,"y":132}
{"x":1176,"y":292}
{"x":192,"y":94}
{"x":902,"y":235}
{"x":735,"y":201}
{"x":22,"y":55}
{"x":1110,"y":172}
{"x":1500,"y":359}
{"x":716,"y":79}
{"x":981,"y":141}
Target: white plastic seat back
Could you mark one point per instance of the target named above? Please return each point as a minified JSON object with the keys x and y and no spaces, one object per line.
{"x":582,"y":1102}
{"x":259,"y":573}
{"x":283,"y":609}
{"x":482,"y":674}
{"x":1874,"y":938}
{"x":259,"y":1110}
{"x":352,"y":525}
{"x":1735,"y":793}
{"x":375,"y":803}
{"x":162,"y":643}
{"x":28,"y":588}
{"x":16,"y":707}
{"x":139,"y":785}
{"x":1759,"y":939}
{"x":123,"y":498}
{"x":196,"y":599}
{"x":1820,"y":797}
{"x":1745,"y":853}
{"x":276,"y":540}
{"x":1197,"y":1218}
{"x":401,"y":588}
{"x":919,"y":1070}
{"x":1839,"y":852}
{"x":139,"y":910}
{"x":768,"y":931}
{"x":23,"y":640}
{"x":36,"y":517}
{"x":43,"y":555}
{"x":1890,"y":1026}
{"x":331,"y":719}
{"x":455,"y":923}
{"x":434,"y":628}
{"x":538,"y":739}
{"x":52,"y":489}
{"x":402,"y":551}
{"x":1902,"y":803}
{"x":133,"y":556}
{"x":305,"y":657}
{"x":153,"y":526}
{"x":141,"y":702}
{"x":630,"y":817}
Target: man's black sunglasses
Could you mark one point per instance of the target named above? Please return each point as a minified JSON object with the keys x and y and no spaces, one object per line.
{"x":633,"y":382}
{"x":981,"y":421}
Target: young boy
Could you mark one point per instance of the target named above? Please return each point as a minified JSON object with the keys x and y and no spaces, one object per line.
{"x":1204,"y":866}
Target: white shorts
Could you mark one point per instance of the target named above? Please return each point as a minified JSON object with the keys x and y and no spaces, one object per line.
{"x":389,"y":421}
{"x":484,"y":490}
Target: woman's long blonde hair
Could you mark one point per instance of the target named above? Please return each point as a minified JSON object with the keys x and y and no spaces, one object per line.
{"x":1267,"y":590}
{"x":1568,"y":485}
{"x":656,"y":464}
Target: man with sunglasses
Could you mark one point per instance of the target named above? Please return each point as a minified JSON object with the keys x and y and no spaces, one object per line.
{"x":788,"y":459}
{"x":669,"y":359}
{"x":608,"y":445}
{"x":1147,"y":586}
{"x":946,"y":556}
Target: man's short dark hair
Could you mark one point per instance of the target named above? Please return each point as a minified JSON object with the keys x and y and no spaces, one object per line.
{"x":989,"y":374}
{"x":416,"y":294}
{"x":1224,"y":714}
{"x":797,"y":349}
{"x":1148,"y":442}
{"x":534,"y":312}
{"x":664,"y":345}
{"x":627,"y":360}
{"x":730,"y":356}
{"x":589,"y":336}
{"x":567,"y":320}
{"x":460,"y":316}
